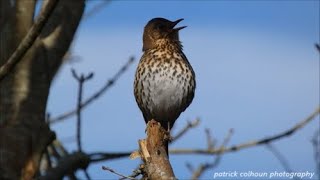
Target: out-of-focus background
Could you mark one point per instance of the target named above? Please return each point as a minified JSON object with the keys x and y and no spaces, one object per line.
{"x":257,"y":72}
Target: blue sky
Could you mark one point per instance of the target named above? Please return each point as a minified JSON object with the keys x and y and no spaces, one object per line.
{"x":257,"y":72}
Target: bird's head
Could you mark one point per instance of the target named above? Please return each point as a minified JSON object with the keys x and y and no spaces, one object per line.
{"x":160,"y":28}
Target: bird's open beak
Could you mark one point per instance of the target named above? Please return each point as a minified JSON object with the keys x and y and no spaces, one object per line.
{"x":175,"y":23}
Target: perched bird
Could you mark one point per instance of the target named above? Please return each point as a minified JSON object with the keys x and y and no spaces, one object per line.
{"x":164,"y":83}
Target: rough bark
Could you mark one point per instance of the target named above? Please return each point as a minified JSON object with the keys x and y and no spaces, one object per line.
{"x":24,"y":135}
{"x":153,"y":153}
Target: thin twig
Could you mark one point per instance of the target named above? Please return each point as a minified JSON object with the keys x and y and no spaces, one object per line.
{"x":47,"y":118}
{"x":87,"y":174}
{"x":316,"y":148}
{"x":317,"y":47}
{"x":101,"y":156}
{"x":96,"y":8}
{"x":57,"y":144}
{"x":114,"y":172}
{"x":45,"y":163}
{"x":48,"y":159}
{"x":136,"y":172}
{"x":190,"y":167}
{"x":226,"y":139}
{"x":68,"y":165}
{"x":29,"y":39}
{"x":189,"y":126}
{"x":81,"y":79}
{"x":204,"y":167}
{"x":266,"y":140}
{"x":283,"y":161}
{"x":210,"y":141}
{"x":56,"y":150}
{"x":97,"y":94}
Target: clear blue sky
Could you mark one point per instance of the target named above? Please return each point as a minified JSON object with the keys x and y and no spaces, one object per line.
{"x":257,"y":72}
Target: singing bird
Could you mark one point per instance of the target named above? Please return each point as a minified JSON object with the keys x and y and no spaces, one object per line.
{"x":164,"y":83}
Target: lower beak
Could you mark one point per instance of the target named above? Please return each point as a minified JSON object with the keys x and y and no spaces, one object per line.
{"x":179,"y":28}
{"x":175,"y":23}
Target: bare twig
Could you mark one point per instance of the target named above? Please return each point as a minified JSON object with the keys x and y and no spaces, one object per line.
{"x":96,"y":8}
{"x":48,"y":115}
{"x":204,"y":167}
{"x":81,"y":79}
{"x":283,"y":161}
{"x":189,"y":126}
{"x":226,"y":139}
{"x":317,"y":47}
{"x":210,"y":140}
{"x":97,"y":94}
{"x":79,"y":159}
{"x":114,"y":172}
{"x":87,"y":174}
{"x":62,"y":150}
{"x":136,"y":172}
{"x":69,"y":163}
{"x":29,"y":39}
{"x":52,"y":150}
{"x":190,"y":167}
{"x":48,"y":159}
{"x":102,"y":156}
{"x":316,"y":148}
{"x":45,"y":163}
{"x":57,"y":151}
{"x":266,"y":140}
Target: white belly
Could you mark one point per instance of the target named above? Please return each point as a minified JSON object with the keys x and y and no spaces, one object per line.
{"x":166,"y":91}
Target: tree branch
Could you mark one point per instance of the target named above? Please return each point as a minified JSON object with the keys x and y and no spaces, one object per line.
{"x":67,"y":164}
{"x":115,"y":172}
{"x":97,"y":94}
{"x":96,"y":8}
{"x":183,"y":131}
{"x":283,"y":161}
{"x":81,"y":79}
{"x":266,"y":140}
{"x":153,"y":153}
{"x":317,"y":47}
{"x":204,"y":167}
{"x":103,"y":156}
{"x":28,"y":40}
{"x":316,"y":148}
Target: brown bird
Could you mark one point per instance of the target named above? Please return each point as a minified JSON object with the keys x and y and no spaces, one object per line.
{"x":164,"y":83}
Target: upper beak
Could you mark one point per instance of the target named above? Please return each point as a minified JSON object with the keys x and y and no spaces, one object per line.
{"x":175,"y":23}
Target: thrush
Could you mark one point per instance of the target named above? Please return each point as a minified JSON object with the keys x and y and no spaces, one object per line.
{"x":164,"y":83}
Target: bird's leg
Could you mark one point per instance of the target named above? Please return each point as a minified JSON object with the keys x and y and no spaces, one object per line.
{"x":168,"y":131}
{"x":168,"y":138}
